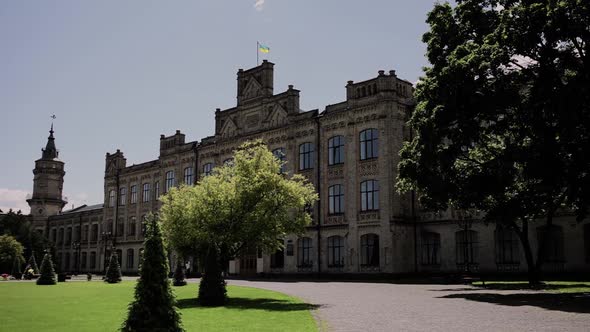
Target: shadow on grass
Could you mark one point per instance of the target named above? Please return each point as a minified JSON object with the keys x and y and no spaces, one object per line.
{"x":568,"y":302}
{"x":243,"y":303}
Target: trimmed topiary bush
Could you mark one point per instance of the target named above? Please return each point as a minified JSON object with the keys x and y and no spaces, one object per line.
{"x":179,"y":274}
{"x":113,"y":271}
{"x":33,"y":263}
{"x":47,"y":276}
{"x":154,"y":306}
{"x":212,"y":291}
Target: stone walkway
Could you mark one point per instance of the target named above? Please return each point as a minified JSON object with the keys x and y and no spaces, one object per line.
{"x":359,"y":306}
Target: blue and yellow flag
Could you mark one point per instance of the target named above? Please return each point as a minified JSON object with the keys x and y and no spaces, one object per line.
{"x":263,"y":48}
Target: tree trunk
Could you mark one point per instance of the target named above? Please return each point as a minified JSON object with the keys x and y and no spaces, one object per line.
{"x":533,"y":271}
{"x":212,"y":290}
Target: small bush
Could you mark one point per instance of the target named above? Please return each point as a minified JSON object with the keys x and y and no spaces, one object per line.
{"x":47,"y":276}
{"x":114,"y":270}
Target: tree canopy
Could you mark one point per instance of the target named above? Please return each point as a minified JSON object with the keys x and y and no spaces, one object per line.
{"x":502,"y":122}
{"x":11,"y":251}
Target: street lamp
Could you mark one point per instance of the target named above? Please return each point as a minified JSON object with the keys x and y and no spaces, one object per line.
{"x":105,"y":236}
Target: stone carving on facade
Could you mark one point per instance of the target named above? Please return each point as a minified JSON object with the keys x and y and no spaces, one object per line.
{"x":335,"y":172}
{"x":335,"y":220}
{"x":368,"y":168}
{"x":229,"y":128}
{"x":368,"y":216}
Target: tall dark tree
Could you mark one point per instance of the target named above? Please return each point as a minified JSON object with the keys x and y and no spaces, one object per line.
{"x":502,"y":123}
{"x":179,"y":277}
{"x":113,"y":274}
{"x":154,"y":306}
{"x":47,"y":276}
{"x":33,"y":263}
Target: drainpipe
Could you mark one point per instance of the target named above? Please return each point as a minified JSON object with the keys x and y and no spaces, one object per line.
{"x":319,"y":186}
{"x":195,"y":147}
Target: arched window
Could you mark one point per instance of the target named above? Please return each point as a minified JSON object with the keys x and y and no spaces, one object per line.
{"x":207,"y":169}
{"x":507,"y":246}
{"x":112,"y":198}
{"x":122,"y":196}
{"x":304,"y":252}
{"x":305,"y":156}
{"x":130,"y":253}
{"x":467,"y":247}
{"x":370,"y":195}
{"x":550,"y":240}
{"x":369,"y":141}
{"x":370,"y":250}
{"x":169,"y":181}
{"x":335,"y":251}
{"x":188,"y":176}
{"x":280,"y":155}
{"x":336,"y":150}
{"x":430,"y":248}
{"x":336,"y":199}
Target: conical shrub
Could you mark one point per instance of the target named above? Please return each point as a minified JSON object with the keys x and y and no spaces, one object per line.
{"x":179,"y":274}
{"x":33,"y":263}
{"x":47,"y":276}
{"x":212,"y":291}
{"x":154,"y":306}
{"x":114,"y":270}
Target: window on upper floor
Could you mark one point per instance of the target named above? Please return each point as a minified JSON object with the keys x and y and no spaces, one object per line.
{"x":169,"y":181}
{"x":94,"y":233}
{"x":188,"y":176}
{"x":85,"y":232}
{"x":305,"y":156}
{"x":207,"y":169}
{"x":112,"y":198}
{"x":336,"y":199}
{"x":228,"y":161}
{"x":336,"y":150}
{"x":133,"y":194}
{"x":280,"y":155}
{"x":369,"y":144}
{"x":145,"y":196}
{"x":156,"y":190}
{"x":120,"y":228}
{"x":370,"y":195}
{"x":122,"y":196}
{"x":131,"y":227}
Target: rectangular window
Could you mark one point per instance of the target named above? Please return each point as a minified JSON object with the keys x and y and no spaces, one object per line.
{"x":305,"y":156}
{"x":83,"y":261}
{"x":369,"y":141}
{"x":145,"y":196}
{"x":129,"y":258}
{"x":304,"y":252}
{"x":156,"y":190}
{"x":280,"y":155}
{"x":467,"y":247}
{"x":85,"y":233}
{"x":92,"y":260}
{"x":68,"y":236}
{"x":188,"y":176}
{"x":430,"y":248}
{"x":550,"y":238}
{"x":131,"y":227}
{"x":336,"y":199}
{"x":120,"y":228}
{"x":169,"y":181}
{"x":335,"y":251}
{"x":370,"y":250}
{"x":277,"y":260}
{"x":133,"y":194}
{"x":111,"y":198}
{"x":54,"y":235}
{"x":94,"y":235}
{"x":122,"y":196}
{"x":336,"y":150}
{"x":507,"y":246}
{"x":370,"y":195}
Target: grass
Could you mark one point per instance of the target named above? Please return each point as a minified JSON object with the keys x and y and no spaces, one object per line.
{"x":552,"y":286}
{"x":96,"y":306}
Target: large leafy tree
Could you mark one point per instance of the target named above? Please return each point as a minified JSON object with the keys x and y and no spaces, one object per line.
{"x":243,"y":206}
{"x":11,"y":251}
{"x":19,"y":226}
{"x":502,"y":122}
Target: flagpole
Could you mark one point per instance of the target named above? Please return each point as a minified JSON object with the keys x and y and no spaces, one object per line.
{"x":257,"y":45}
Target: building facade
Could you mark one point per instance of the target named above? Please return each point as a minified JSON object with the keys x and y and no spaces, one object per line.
{"x":349,"y":151}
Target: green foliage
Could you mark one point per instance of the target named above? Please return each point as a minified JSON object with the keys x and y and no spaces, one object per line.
{"x":19,"y":226}
{"x":154,"y":306}
{"x":502,"y":122}
{"x":179,"y":274}
{"x":47,"y":276}
{"x":113,"y":274}
{"x":10,"y":251}
{"x":247,"y":204}
{"x":33,"y":263}
{"x":212,"y":288}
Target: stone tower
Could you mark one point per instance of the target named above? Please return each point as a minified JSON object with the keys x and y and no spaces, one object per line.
{"x":47,"y":199}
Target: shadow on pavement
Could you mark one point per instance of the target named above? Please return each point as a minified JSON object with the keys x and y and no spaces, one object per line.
{"x":253,"y":304}
{"x":570,"y":302}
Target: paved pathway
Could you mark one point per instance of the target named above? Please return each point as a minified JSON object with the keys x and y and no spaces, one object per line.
{"x":358,"y":306}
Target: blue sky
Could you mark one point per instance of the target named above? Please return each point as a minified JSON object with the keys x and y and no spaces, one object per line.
{"x":117,"y":74}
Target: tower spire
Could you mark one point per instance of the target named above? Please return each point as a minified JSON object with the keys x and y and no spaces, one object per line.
{"x":50,"y":151}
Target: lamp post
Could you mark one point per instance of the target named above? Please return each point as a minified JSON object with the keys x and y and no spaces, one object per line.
{"x":105,"y":236}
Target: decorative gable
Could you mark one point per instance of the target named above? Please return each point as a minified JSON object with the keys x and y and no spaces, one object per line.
{"x":229,"y":128}
{"x":253,"y":89}
{"x":277,"y":117}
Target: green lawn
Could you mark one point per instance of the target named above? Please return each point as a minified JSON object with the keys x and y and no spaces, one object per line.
{"x":96,"y":306}
{"x":552,"y":286}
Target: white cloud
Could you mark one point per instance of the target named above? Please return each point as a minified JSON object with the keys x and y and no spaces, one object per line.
{"x":259,"y":5}
{"x":14,"y":199}
{"x":76,"y":200}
